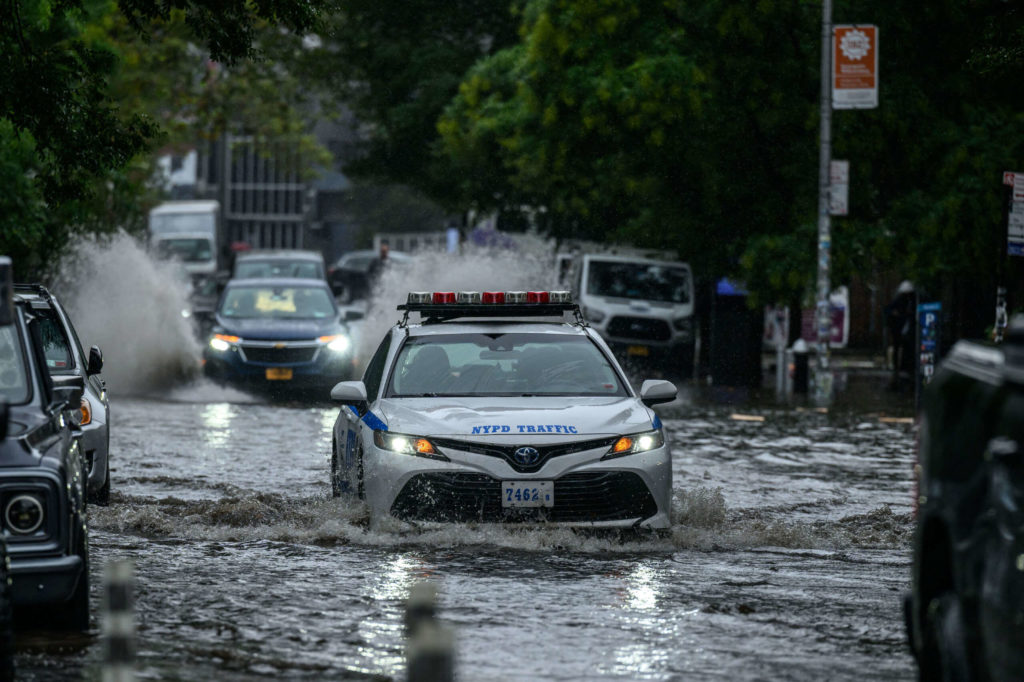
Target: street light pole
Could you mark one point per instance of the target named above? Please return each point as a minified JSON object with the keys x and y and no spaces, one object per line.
{"x":823,"y":314}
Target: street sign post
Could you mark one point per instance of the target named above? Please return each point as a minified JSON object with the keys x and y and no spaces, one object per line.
{"x":855,"y":67}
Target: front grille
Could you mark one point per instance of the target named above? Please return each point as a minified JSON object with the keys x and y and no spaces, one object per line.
{"x":645,"y":328}
{"x":507,"y":452}
{"x":580,"y":497}
{"x":279,"y":356}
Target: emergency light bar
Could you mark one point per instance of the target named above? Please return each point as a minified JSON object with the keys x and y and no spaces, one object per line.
{"x":451,"y":304}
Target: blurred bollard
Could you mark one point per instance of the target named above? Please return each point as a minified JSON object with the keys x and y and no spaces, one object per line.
{"x":801,"y":372}
{"x":118,"y":622}
{"x":430,"y":647}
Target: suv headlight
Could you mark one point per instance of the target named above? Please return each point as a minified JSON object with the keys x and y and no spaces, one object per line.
{"x":407,"y":445}
{"x":592,"y":315}
{"x":24,"y":514}
{"x":634,"y":443}
{"x":222,"y":342}
{"x":339,"y":343}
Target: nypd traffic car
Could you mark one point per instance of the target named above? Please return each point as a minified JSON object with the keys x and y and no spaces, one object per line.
{"x":501,"y":407}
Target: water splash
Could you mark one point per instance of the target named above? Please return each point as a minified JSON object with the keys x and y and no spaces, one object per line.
{"x":121,"y":298}
{"x":530,"y":265}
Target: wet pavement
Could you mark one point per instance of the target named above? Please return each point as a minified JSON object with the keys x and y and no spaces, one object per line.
{"x":786,"y":561}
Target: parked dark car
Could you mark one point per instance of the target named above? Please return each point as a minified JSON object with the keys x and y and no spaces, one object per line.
{"x":279,"y":336}
{"x":42,"y":477}
{"x":351,"y":277}
{"x":965,"y":613}
{"x":66,"y":360}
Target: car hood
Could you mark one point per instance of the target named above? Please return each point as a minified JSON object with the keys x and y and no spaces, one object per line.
{"x":513,"y":419}
{"x":276,"y":330}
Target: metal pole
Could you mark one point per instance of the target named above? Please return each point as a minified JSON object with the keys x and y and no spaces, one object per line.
{"x":823,"y":376}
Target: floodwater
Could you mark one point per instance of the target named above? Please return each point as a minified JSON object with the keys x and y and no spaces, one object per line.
{"x":786,"y":561}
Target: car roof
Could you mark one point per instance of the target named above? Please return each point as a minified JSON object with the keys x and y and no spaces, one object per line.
{"x":184,"y":207}
{"x":279,"y":282}
{"x":634,"y":259}
{"x":363,"y":253}
{"x":282,"y":254}
{"x":495,"y":327}
{"x":36,"y":294}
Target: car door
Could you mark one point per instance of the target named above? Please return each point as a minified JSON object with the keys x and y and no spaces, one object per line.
{"x":355,"y":423}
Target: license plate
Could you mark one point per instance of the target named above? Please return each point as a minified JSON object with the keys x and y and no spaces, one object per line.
{"x":642,"y":351}
{"x":527,"y":493}
{"x":279,"y":373}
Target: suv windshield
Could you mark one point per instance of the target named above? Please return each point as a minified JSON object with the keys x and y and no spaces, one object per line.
{"x":278,"y":267}
{"x":643,"y":281}
{"x":502,"y":365}
{"x":13,"y":377}
{"x":277,"y":302}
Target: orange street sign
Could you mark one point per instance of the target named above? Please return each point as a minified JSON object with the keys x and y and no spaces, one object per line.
{"x":855,"y":67}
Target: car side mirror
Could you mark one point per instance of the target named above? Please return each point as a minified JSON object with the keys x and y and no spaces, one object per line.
{"x":656,"y":391}
{"x":351,"y":315}
{"x":69,"y":389}
{"x":95,"y":361}
{"x":349,"y":393}
{"x":5,"y":416}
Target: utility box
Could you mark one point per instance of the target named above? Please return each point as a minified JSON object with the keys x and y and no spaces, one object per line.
{"x":736,"y":335}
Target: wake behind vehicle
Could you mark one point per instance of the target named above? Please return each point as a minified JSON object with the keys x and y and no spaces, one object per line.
{"x":643,"y":308}
{"x":965,"y":613}
{"x":42,"y":487}
{"x":280,"y":336}
{"x":484,"y":412}
{"x":68,"y":363}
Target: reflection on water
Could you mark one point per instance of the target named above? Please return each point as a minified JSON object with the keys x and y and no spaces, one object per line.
{"x":786,"y":559}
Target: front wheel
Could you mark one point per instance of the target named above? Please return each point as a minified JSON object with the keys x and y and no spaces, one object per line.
{"x":360,"y":488}
{"x":335,"y":472}
{"x":102,"y":496}
{"x":74,"y":613}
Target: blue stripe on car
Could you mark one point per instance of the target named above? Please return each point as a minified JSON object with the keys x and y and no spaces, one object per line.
{"x":372,"y":420}
{"x":657,"y":422}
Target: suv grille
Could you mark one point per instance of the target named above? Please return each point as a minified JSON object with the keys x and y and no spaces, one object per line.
{"x":639,"y":328}
{"x":581,"y":497}
{"x":286,"y":355}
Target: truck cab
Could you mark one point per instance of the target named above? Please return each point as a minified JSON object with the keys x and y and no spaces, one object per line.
{"x":187,"y":231}
{"x":642,"y":307}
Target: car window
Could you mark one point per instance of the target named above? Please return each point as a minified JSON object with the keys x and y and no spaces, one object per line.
{"x":187,"y":249}
{"x":56,"y":346}
{"x":13,"y":374}
{"x":374,"y":373}
{"x":502,"y":365}
{"x":270,"y":302}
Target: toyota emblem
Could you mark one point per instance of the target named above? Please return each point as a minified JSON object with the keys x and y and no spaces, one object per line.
{"x":526,"y":456}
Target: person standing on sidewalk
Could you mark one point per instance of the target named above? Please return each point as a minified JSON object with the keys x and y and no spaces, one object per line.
{"x":900,"y":318}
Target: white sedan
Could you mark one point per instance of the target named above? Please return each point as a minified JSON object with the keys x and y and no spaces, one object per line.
{"x":502,"y":407}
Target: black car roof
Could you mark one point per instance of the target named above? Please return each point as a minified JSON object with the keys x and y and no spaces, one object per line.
{"x":280,"y":254}
{"x":279,"y":282}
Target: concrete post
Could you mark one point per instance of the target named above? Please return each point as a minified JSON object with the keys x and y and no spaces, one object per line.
{"x":118,"y":622}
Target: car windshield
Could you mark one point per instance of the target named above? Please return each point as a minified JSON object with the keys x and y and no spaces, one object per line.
{"x":13,"y":377}
{"x":187,"y":249}
{"x":278,"y":268}
{"x":502,"y":365}
{"x":56,"y":346}
{"x":270,"y":302}
{"x":643,"y":281}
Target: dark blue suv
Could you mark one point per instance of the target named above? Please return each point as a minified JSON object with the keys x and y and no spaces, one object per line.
{"x":280,"y":336}
{"x":42,"y":476}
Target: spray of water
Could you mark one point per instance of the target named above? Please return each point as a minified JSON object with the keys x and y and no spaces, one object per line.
{"x":529,"y":265}
{"x":130,"y":304}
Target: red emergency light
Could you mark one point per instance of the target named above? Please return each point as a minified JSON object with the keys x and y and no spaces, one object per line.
{"x":444,"y":297}
{"x":493,"y":297}
{"x":537,"y":297}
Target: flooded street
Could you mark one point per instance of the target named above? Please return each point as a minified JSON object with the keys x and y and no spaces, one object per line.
{"x":787,"y":558}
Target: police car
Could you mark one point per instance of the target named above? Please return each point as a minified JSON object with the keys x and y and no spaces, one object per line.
{"x":501,"y":406}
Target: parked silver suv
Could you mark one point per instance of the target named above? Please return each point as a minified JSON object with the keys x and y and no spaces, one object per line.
{"x":66,"y":360}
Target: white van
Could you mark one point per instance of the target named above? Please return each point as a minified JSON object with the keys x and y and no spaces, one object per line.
{"x":187,"y":230}
{"x":642,"y":307}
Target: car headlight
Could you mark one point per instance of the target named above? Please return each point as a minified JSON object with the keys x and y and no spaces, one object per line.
{"x":592,"y":315}
{"x":222,"y":342}
{"x":407,"y":445}
{"x":339,"y":343}
{"x":86,"y":412}
{"x":634,"y":443}
{"x":24,"y":514}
